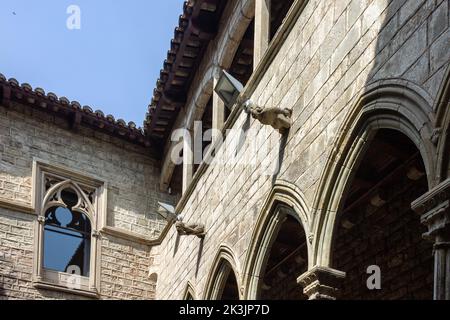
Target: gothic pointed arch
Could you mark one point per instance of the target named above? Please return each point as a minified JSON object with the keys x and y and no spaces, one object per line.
{"x":284,"y":201}
{"x":223,"y":282}
{"x":238,"y":38}
{"x":70,"y":208}
{"x":394,"y":104}
{"x":189,"y":292}
{"x":54,"y":197}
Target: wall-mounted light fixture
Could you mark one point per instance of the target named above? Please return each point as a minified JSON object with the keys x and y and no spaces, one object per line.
{"x":228,"y":89}
{"x":167,"y":211}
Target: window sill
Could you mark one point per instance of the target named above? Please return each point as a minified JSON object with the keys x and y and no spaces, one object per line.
{"x":53,"y":287}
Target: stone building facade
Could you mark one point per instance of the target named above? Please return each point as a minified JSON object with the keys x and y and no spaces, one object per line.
{"x":33,"y":140}
{"x":357,"y":186}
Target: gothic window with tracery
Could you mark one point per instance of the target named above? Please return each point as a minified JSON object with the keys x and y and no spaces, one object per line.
{"x":67,"y":237}
{"x":70,"y":208}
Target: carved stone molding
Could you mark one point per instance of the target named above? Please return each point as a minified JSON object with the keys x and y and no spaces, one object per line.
{"x":436,"y":135}
{"x":435,"y":196}
{"x":96,"y":234}
{"x":321,"y":283}
{"x":434,"y":208}
{"x":41,"y":219}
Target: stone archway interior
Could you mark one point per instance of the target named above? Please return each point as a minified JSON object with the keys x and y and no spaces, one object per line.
{"x":377,"y":227}
{"x":230,"y":290}
{"x":287,"y":260}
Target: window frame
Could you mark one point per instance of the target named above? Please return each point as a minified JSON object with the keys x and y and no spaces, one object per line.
{"x":53,"y":228}
{"x":95,"y":210}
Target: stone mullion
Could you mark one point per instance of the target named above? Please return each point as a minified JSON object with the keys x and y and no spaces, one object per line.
{"x":262,"y":29}
{"x":188,"y":159}
{"x":218,"y":114}
{"x":442,"y":271}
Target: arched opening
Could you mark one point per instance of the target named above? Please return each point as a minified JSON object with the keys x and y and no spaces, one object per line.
{"x":223,"y":280}
{"x":286,"y":259}
{"x":67,"y":237}
{"x":189,"y":293}
{"x":376,"y":226}
{"x":224,"y":285}
{"x":242,"y":66}
{"x":189,"y":297}
{"x":230,"y":289}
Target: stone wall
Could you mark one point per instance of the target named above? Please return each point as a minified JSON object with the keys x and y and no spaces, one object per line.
{"x":334,"y":50}
{"x":132,"y":177}
{"x":389,"y":237}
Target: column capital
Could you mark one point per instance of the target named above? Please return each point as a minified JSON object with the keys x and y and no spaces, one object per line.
{"x":41,"y":219}
{"x":434,"y":208}
{"x":321,"y":283}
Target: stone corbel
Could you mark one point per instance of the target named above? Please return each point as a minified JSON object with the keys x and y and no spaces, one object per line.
{"x":96,"y":234}
{"x":41,"y":219}
{"x":436,"y":135}
{"x":321,"y":283}
{"x":279,"y":119}
{"x":184,"y":229}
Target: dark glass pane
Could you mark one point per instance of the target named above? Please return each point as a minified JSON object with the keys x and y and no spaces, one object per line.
{"x":69,"y":197}
{"x":67,"y":241}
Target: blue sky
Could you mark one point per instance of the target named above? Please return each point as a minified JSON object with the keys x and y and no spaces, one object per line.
{"x":111,"y":63}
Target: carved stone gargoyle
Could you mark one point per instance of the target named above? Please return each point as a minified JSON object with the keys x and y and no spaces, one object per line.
{"x":197,"y":230}
{"x":279,"y":119}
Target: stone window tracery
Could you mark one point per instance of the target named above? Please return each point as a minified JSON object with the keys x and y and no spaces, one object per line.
{"x":69,"y":207}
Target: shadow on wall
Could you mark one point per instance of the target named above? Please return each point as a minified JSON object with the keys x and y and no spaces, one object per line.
{"x":414,"y":35}
{"x":199,"y":256}
{"x":137,"y":259}
{"x":409,"y":46}
{"x":281,"y":153}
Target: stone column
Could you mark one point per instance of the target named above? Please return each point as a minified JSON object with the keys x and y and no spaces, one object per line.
{"x":434,"y":208}
{"x":218,"y":117}
{"x":262,"y":29}
{"x":321,"y":283}
{"x":188,"y":159}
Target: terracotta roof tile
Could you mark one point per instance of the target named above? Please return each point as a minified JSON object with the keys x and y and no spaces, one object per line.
{"x":11,"y":90}
{"x":197,"y":26}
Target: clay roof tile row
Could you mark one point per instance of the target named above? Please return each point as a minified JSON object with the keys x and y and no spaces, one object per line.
{"x":50,"y":102}
{"x":196,"y":27}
